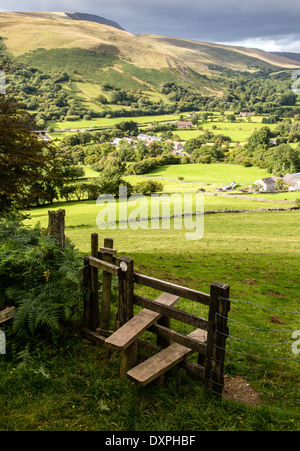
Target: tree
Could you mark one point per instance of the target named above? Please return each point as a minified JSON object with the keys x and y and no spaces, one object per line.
{"x":260,"y":139}
{"x":29,"y":167}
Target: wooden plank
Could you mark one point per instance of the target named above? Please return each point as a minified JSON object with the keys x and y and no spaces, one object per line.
{"x":100,"y":264}
{"x":158,"y":364}
{"x":93,"y":337}
{"x":169,"y":311}
{"x":196,"y":345}
{"x":183,"y":292}
{"x":107,"y":250}
{"x":131,"y":330}
{"x":7,"y":314}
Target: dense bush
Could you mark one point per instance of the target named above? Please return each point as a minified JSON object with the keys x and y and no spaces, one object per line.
{"x":41,"y":280}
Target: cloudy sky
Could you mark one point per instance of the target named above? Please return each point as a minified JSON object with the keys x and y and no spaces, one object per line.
{"x":272,"y":25}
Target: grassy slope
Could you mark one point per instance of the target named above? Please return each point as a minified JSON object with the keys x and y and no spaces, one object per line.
{"x":218,"y":174}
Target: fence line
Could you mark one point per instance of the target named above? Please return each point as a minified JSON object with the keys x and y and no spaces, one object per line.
{"x":275,"y":377}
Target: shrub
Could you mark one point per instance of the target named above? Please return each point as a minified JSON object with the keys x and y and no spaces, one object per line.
{"x":148,"y":187}
{"x":41,"y":280}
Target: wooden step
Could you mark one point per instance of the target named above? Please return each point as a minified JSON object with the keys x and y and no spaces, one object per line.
{"x":131,"y":330}
{"x":158,"y":364}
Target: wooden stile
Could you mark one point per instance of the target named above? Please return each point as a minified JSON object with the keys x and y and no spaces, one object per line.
{"x":208,"y":340}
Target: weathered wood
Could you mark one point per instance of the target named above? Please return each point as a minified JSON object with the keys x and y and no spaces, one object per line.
{"x":56,"y":226}
{"x":106,"y":285}
{"x":125,"y":311}
{"x":179,"y":315}
{"x":195,"y":344}
{"x":183,"y":292}
{"x":93,"y":337}
{"x":86,"y":290}
{"x":128,"y":359}
{"x":215,"y":351}
{"x":163,"y":340}
{"x":104,"y":266}
{"x":126,"y":290}
{"x":221,"y":336}
{"x":193,"y":368}
{"x":93,"y":321}
{"x":131,"y":330}
{"x":107,"y":250}
{"x":98,"y":337}
{"x":158,"y":364}
{"x":7,"y":314}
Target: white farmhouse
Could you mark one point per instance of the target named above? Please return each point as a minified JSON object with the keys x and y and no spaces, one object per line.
{"x":267,"y":185}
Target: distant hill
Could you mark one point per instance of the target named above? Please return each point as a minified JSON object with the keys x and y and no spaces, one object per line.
{"x":96,"y":50}
{"x":93,"y":18}
{"x":290,"y":55}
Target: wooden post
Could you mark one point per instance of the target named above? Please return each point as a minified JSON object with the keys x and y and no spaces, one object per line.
{"x":106,"y":286}
{"x":125,"y":313}
{"x":86,"y":291}
{"x":126,"y":288}
{"x":216,"y":339}
{"x":164,"y":342}
{"x":93,"y":307}
{"x":56,"y":226}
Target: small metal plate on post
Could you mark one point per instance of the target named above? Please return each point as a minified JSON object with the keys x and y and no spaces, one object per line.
{"x":124,"y":266}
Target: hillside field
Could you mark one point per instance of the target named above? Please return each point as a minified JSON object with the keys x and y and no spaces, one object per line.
{"x":257,"y":254}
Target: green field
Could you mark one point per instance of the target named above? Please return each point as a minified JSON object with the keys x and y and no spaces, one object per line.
{"x":237,"y":131}
{"x":110,"y":122}
{"x":216,"y":174}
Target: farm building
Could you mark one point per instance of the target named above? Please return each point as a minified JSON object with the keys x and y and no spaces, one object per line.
{"x":293,"y":180}
{"x":267,"y":185}
{"x":149,"y":138}
{"x":183,"y":124}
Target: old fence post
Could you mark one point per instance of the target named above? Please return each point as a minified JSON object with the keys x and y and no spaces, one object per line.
{"x":91,"y":283}
{"x":107,"y":256}
{"x":56,"y":226}
{"x":125,"y":313}
{"x":216,"y":338}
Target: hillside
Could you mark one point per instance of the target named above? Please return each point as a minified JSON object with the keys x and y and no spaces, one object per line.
{"x":44,"y":40}
{"x":201,"y":55}
{"x":290,"y":55}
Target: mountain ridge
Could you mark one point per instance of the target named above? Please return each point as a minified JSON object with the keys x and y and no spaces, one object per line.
{"x":94,"y":18}
{"x":99,"y":52}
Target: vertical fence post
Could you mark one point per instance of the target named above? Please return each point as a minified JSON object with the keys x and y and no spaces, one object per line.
{"x":86,"y":291}
{"x":216,"y":338}
{"x":125,"y":313}
{"x":92,"y":308}
{"x":56,"y":226}
{"x":126,"y":288}
{"x":106,"y":288}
